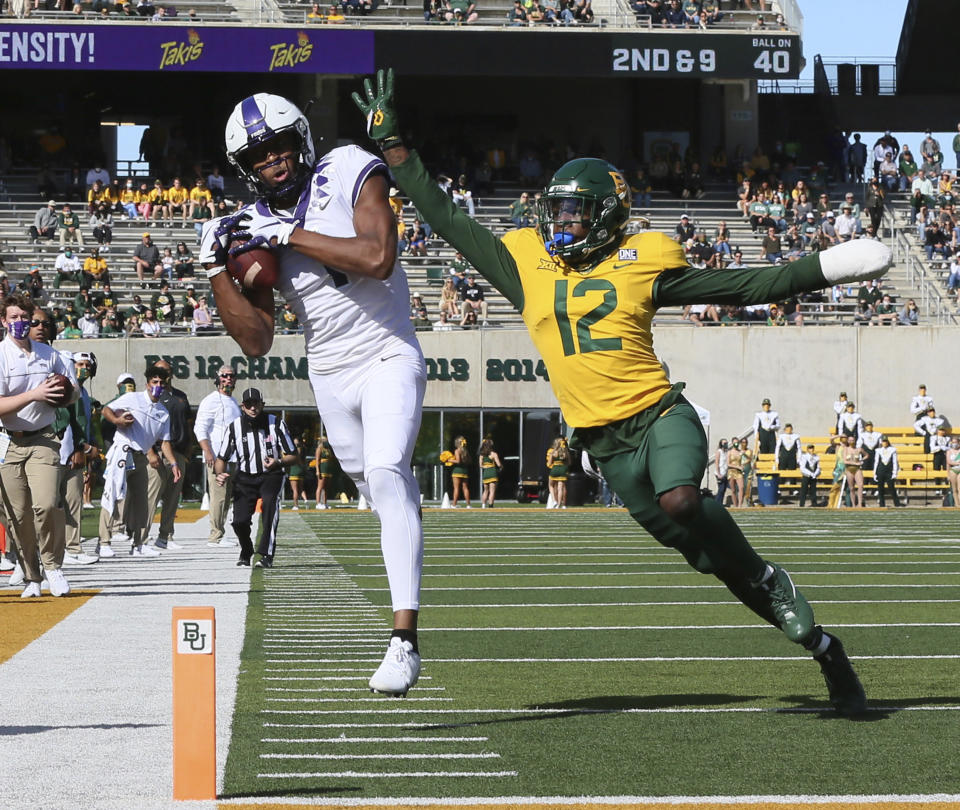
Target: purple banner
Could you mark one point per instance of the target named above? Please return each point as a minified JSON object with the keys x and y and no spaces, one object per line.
{"x":169,"y":46}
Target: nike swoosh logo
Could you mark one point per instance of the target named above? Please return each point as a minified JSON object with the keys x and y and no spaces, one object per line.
{"x":384,"y":359}
{"x":620,"y":266}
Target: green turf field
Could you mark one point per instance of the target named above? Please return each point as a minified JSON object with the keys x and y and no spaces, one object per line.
{"x":567,"y":654}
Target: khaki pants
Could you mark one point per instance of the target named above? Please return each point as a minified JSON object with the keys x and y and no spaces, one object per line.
{"x":161,"y":489}
{"x":111,"y":523}
{"x":219,"y":503}
{"x":71,"y":500}
{"x":30,"y":476}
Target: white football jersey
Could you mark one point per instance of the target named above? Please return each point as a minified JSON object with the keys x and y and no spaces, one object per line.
{"x":347,"y":318}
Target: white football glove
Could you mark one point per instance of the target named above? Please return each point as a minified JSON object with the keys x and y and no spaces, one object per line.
{"x":856,"y":260}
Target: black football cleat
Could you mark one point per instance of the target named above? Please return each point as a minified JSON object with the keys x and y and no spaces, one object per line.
{"x":846,"y":691}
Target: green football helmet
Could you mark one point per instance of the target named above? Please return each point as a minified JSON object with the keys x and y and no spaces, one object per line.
{"x":595,"y":194}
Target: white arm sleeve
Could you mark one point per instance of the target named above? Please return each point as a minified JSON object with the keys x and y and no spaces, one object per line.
{"x":858,"y":260}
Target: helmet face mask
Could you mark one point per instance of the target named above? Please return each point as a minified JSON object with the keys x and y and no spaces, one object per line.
{"x":266,"y":124}
{"x":592,"y":193}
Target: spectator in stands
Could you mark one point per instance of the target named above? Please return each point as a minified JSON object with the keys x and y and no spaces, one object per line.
{"x":163,"y":304}
{"x":908,"y":169}
{"x":953,"y":280}
{"x":829,"y":229}
{"x":473,"y":301}
{"x":700,"y":313}
{"x":158,"y":201}
{"x":146,"y":258}
{"x":924,"y":183}
{"x":794,"y":244}
{"x":166,"y":259}
{"x":771,"y":249}
{"x":45,"y":223}
{"x":886,"y":312}
{"x":745,"y":196}
{"x":737,"y":262}
{"x":521,"y":210}
{"x":870,"y":294}
{"x":889,"y":177}
{"x":802,"y":207}
{"x":72,"y":330}
{"x":132,"y":326}
{"x":188,"y":303}
{"x":516,"y":16}
{"x":846,"y":224}
{"x":857,"y":159}
{"x":931,"y":155}
{"x":90,"y":324}
{"x":823,"y":207}
{"x":98,"y":173}
{"x":693,"y":182}
{"x":202,"y":319}
{"x":462,"y":194}
{"x":102,"y":223}
{"x":922,"y":220}
{"x":448,"y":299}
{"x":200,"y":197}
{"x":183,"y":263}
{"x":137,"y":309}
{"x":96,"y":194}
{"x":215,"y":183}
{"x":416,"y":237}
{"x":460,"y":11}
{"x":880,"y":150}
{"x":150,"y":326}
{"x":288,"y":320}
{"x":583,"y":11}
{"x":334,"y":16}
{"x":684,"y":233}
{"x":316,"y":13}
{"x":95,"y":271}
{"x":68,"y":226}
{"x":759,"y":211}
{"x":67,"y":268}
{"x":702,"y":253}
{"x":178,"y":201}
{"x":672,"y":15}
{"x":935,"y":241}
{"x":873,"y":203}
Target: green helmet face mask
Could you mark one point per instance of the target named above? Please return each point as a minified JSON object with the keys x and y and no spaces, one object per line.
{"x":589,"y":192}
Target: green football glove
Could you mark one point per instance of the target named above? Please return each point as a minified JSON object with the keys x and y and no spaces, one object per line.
{"x":378,"y":109}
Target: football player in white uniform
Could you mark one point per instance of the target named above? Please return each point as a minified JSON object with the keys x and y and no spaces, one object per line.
{"x":335,"y":239}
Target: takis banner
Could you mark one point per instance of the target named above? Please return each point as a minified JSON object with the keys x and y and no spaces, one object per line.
{"x":172,"y":47}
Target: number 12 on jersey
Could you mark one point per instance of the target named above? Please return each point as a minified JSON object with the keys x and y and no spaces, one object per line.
{"x":585,"y":341}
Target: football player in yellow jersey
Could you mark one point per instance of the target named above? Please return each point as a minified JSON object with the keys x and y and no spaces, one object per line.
{"x":588,"y":292}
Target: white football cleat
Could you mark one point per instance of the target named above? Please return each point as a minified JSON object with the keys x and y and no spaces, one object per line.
{"x":399,"y":670}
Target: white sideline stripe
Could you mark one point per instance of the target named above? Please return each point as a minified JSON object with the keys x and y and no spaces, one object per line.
{"x":587,"y":564}
{"x":353,"y":700}
{"x":344,"y":689}
{"x":338,"y":740}
{"x":582,"y":553}
{"x":362,"y":775}
{"x":342,"y":725}
{"x":678,"y":572}
{"x":850,"y":801}
{"x":618,"y":627}
{"x":663,"y":659}
{"x":662,"y":710}
{"x":664,"y":587}
{"x":483,"y":755}
{"x":729,"y":603}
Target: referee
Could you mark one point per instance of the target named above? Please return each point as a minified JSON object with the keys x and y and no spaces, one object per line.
{"x":262,"y":447}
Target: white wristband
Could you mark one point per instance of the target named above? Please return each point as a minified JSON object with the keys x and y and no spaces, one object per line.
{"x":212,"y":271}
{"x":857,"y":260}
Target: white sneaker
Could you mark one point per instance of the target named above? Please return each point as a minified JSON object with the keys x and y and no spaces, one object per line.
{"x":31,"y":591}
{"x":57,"y":583}
{"x":16,"y":577}
{"x":107,"y":551}
{"x":144,"y":551}
{"x":295,"y":508}
{"x":321,"y":506}
{"x":6,"y":566}
{"x":89,"y":506}
{"x":398,"y":672}
{"x":120,"y":538}
{"x":79,"y":559}
{"x":166,"y":545}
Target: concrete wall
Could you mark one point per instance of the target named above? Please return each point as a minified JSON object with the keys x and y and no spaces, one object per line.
{"x":728,"y":370}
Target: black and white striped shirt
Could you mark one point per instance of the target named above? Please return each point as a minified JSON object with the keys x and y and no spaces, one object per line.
{"x":253,"y":440}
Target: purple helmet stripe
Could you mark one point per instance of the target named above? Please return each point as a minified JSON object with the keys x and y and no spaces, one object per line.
{"x":253,"y":121}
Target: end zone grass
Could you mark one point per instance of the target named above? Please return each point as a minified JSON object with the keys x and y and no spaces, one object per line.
{"x":566,"y":654}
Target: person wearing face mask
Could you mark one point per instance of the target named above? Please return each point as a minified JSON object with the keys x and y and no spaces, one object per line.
{"x":214,"y":415}
{"x":29,"y":447}
{"x":162,"y":488}
{"x":67,"y":268}
{"x":262,"y":447}
{"x":115,"y":530}
{"x":128,"y":199}
{"x":141,"y":422}
{"x":76,"y":449}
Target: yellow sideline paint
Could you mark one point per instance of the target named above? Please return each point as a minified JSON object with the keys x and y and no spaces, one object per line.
{"x":685,"y":805}
{"x":24,"y":620}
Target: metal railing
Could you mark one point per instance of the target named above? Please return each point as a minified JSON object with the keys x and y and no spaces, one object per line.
{"x":935,"y":305}
{"x":827,"y":78}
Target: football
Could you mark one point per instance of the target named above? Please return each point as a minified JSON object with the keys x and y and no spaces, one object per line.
{"x":256,"y":269}
{"x":66,"y":388}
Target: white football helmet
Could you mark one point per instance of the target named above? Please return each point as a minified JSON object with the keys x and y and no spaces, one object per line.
{"x":257,"y":119}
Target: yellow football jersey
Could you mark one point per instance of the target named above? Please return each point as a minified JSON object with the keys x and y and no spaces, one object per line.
{"x":200,"y":195}
{"x":593,"y":329}
{"x":157,"y":195}
{"x":177,"y":196}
